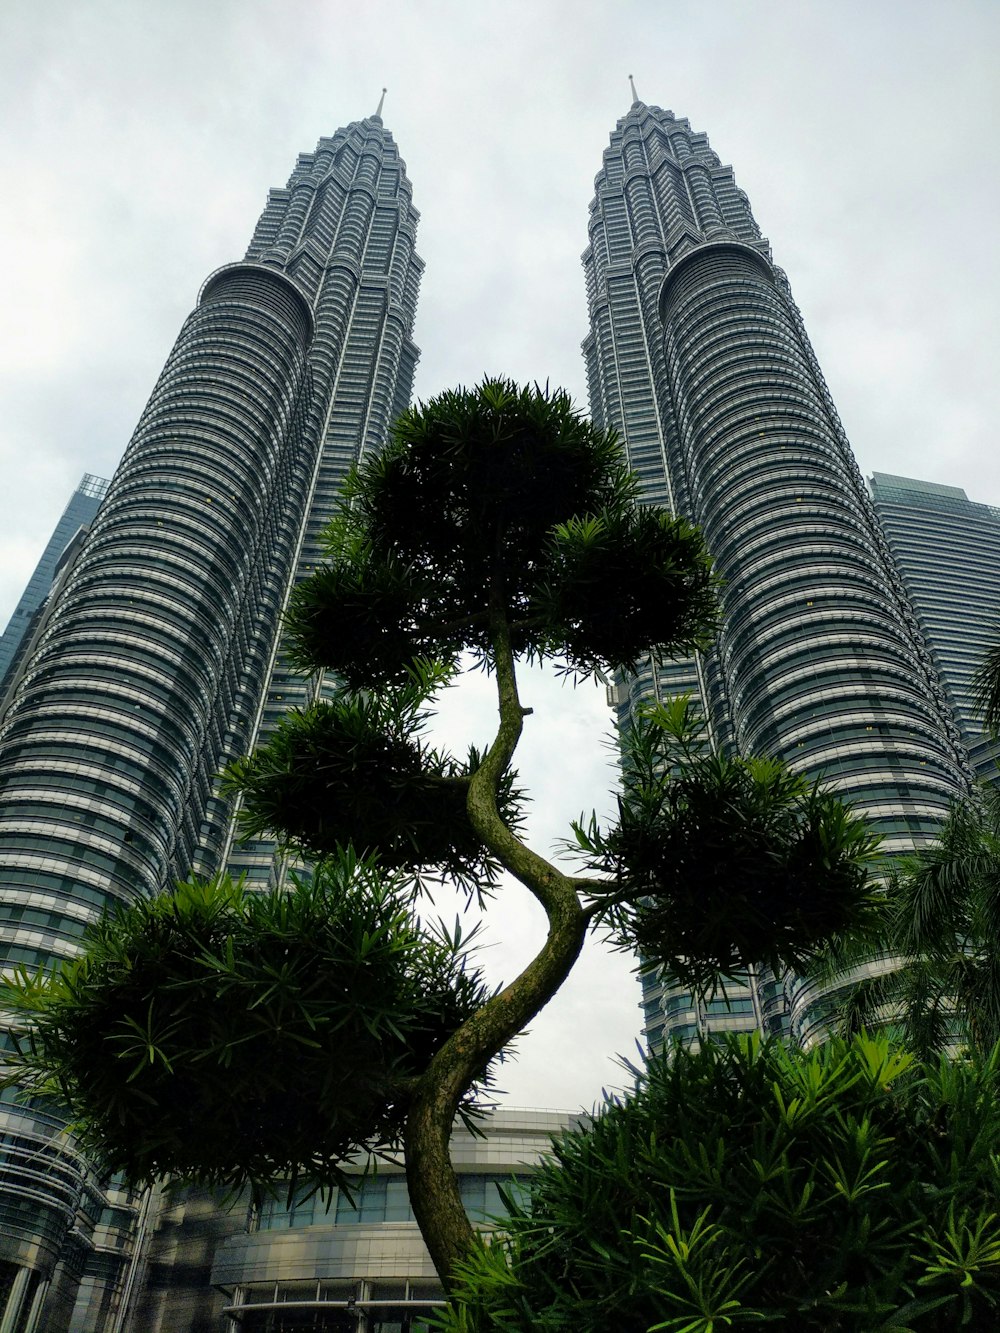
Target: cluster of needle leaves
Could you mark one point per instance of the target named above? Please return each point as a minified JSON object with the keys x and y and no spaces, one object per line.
{"x":355,"y":771}
{"x":717,"y":862}
{"x":847,"y":1189}
{"x":511,"y":489}
{"x":235,"y":1038}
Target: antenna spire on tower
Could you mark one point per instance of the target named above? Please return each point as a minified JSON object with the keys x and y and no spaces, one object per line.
{"x":635,"y":95}
{"x":378,"y":113}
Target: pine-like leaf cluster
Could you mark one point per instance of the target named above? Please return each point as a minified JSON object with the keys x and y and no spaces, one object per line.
{"x":506,"y":492}
{"x":355,"y":771}
{"x":717,"y":862}
{"x":233,"y":1038}
{"x":845,"y":1188}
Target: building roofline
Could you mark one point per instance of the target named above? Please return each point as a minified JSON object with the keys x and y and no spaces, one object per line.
{"x":741,"y":247}
{"x":267,"y":270}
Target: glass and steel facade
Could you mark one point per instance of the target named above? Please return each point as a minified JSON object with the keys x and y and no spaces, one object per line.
{"x":160,"y":659}
{"x":947,"y":549}
{"x":698,"y":356}
{"x":78,"y":515}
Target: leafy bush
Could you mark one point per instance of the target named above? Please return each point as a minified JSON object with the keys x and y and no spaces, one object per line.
{"x":355,"y":771}
{"x":499,"y":503}
{"x":233,"y":1038}
{"x":847,"y":1188}
{"x":717,"y":861}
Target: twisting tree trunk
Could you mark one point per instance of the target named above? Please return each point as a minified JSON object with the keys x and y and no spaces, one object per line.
{"x":431,"y":1179}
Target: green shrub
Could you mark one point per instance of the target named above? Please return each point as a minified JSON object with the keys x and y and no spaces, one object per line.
{"x":847,"y":1188}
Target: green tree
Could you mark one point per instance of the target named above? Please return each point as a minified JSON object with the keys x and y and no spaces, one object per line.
{"x":939,"y":982}
{"x":498,"y":523}
{"x":844,"y":1189}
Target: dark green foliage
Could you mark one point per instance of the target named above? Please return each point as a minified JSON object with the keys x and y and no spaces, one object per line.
{"x":507,"y":498}
{"x":365,"y":612}
{"x":986,"y":684}
{"x":354,"y":771}
{"x":717,"y":863}
{"x":233,"y":1038}
{"x":476,"y":479}
{"x":619,"y":582}
{"x":942,"y":914}
{"x":846,"y":1190}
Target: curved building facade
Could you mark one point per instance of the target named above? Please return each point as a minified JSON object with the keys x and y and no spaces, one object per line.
{"x":947,"y":548}
{"x":24,"y":622}
{"x":160,"y":659}
{"x":354,"y":1265}
{"x":698,"y":356}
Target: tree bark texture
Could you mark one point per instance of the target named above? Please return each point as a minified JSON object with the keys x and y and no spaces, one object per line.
{"x":433,"y":1185}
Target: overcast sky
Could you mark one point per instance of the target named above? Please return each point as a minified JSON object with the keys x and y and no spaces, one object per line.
{"x":140,"y":140}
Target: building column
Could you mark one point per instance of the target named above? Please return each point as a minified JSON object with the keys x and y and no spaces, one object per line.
{"x":15,"y":1300}
{"x":35,"y":1313}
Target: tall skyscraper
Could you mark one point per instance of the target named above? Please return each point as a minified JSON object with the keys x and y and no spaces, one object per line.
{"x":947,"y":549}
{"x":78,"y":515}
{"x":698,"y":356}
{"x":161,"y":658}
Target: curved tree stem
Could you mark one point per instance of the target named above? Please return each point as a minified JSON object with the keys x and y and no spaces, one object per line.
{"x":432,"y":1183}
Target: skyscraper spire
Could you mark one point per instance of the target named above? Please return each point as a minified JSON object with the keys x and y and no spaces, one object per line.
{"x":378,"y":111}
{"x":635,"y":95}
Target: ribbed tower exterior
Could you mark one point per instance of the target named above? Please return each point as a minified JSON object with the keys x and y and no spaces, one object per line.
{"x":947,"y":548}
{"x":161,"y":661}
{"x":698,"y":356}
{"x":76,"y":518}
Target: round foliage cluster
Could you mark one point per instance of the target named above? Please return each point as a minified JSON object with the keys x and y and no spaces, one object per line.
{"x":617,"y":583}
{"x":347,"y":772}
{"x":734,"y":862}
{"x":367,"y":616}
{"x":498,"y":505}
{"x":233,"y":1038}
{"x":475,"y":481}
{"x":845,"y":1188}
